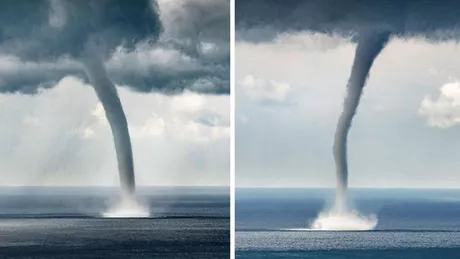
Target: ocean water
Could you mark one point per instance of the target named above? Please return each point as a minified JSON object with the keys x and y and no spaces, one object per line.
{"x":69,"y":223}
{"x":411,"y":224}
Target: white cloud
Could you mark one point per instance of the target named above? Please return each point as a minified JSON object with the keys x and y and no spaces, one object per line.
{"x":444,"y":112}
{"x":259,"y":89}
{"x":88,"y":132}
{"x":188,"y":102}
{"x":154,"y":126}
{"x":99,"y":113}
{"x":187,"y":117}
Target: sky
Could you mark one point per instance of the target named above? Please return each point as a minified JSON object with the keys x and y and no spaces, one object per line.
{"x":54,"y":138}
{"x":56,"y":133}
{"x":289,"y":94}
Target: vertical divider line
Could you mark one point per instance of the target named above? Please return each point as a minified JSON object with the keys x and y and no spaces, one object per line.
{"x":232,"y":129}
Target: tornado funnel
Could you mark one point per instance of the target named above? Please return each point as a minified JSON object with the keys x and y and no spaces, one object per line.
{"x":108,"y":96}
{"x":370,"y":44}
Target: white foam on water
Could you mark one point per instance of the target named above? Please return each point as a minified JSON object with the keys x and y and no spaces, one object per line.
{"x":343,"y":220}
{"x":127,"y":207}
{"x":299,"y":229}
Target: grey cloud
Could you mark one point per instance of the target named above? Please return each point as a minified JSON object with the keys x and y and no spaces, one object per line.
{"x":200,"y":30}
{"x":263,"y":20}
{"x":193,"y":24}
{"x":62,"y":28}
{"x":29,"y":77}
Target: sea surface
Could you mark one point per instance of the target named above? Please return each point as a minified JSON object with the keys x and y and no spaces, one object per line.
{"x":412,"y":223}
{"x":37,"y":222}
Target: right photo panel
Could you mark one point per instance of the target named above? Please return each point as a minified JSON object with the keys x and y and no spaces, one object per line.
{"x":347,"y":129}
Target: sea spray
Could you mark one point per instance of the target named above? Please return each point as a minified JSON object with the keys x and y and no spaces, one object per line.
{"x":350,"y":219}
{"x":127,"y":206}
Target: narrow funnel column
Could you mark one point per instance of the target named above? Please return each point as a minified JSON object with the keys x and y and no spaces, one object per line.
{"x":108,"y":96}
{"x":369,"y":46}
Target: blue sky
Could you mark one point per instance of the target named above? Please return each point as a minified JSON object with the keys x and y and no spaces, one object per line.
{"x":289,"y":93}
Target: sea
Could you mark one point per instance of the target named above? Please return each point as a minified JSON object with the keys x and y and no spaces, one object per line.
{"x":412,"y":223}
{"x":70,"y":222}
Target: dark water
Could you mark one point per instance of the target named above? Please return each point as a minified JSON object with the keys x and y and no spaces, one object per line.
{"x":67,"y":223}
{"x":411,"y":224}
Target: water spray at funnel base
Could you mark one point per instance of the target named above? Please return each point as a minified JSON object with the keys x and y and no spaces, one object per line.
{"x":341,"y":216}
{"x":127,"y":207}
{"x":108,"y":96}
{"x":344,"y":220}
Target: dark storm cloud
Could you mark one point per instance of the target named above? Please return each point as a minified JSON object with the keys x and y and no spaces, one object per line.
{"x":41,"y":42}
{"x":28,"y":77}
{"x":262,"y":20}
{"x":200,"y":30}
{"x":198,"y":20}
{"x":53,"y":29}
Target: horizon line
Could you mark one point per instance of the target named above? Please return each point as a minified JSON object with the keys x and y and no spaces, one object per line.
{"x":349,"y":188}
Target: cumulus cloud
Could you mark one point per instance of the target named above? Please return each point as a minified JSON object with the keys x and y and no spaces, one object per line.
{"x":99,"y":113}
{"x":87,"y":133}
{"x":188,"y":103}
{"x":153,"y":126}
{"x":194,"y":121}
{"x":443,"y":112}
{"x":188,"y":118}
{"x":265,"y":91}
{"x":182,"y":128}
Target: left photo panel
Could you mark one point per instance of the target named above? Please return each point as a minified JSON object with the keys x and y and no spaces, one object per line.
{"x":115,"y":137}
